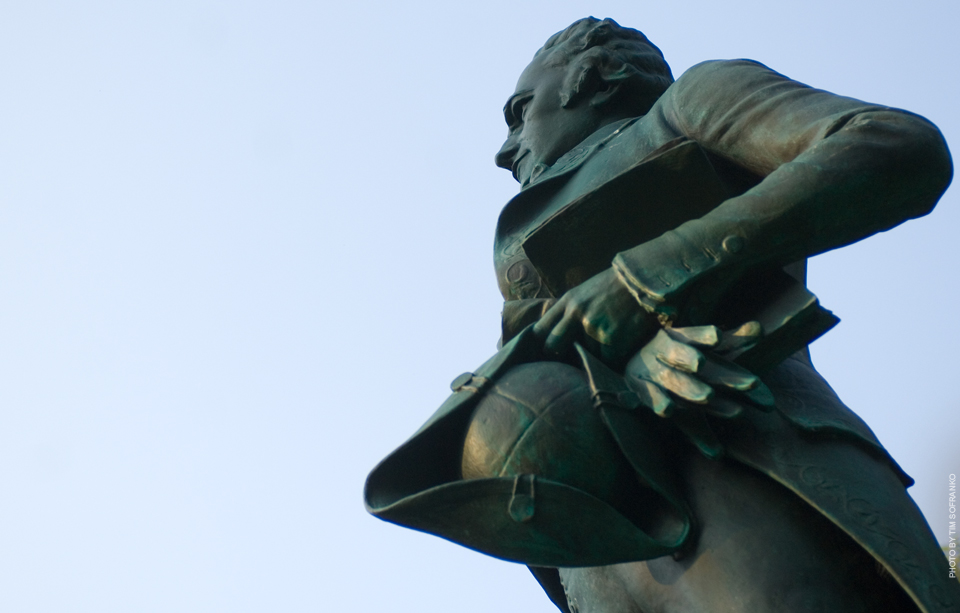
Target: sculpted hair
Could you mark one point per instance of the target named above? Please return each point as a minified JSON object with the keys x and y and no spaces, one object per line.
{"x":603,"y":55}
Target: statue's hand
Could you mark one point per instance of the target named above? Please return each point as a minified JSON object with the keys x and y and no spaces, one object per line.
{"x":680,"y":374}
{"x":601,"y":314}
{"x":687,"y":363}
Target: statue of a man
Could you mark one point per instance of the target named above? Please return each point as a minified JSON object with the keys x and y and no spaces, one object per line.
{"x":617,"y":444}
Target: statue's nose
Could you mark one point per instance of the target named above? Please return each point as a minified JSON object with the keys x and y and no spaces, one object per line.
{"x":504,"y":157}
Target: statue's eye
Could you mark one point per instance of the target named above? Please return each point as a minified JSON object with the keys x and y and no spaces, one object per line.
{"x":516,"y":109}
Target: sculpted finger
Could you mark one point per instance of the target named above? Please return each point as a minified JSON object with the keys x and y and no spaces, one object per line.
{"x":698,"y":336}
{"x":728,"y":375}
{"x":674,"y":353}
{"x":602,"y":342}
{"x":746,"y":334}
{"x":651,"y":396}
{"x":762,"y":397}
{"x":683,"y":385}
{"x":667,"y":363}
{"x":596,"y":328}
{"x":548,"y":304}
{"x":681,"y":357}
{"x":562,"y":335}
{"x":724,"y":408}
{"x":550,"y":318}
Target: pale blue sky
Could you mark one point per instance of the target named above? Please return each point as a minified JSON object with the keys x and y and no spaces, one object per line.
{"x":245,"y":246}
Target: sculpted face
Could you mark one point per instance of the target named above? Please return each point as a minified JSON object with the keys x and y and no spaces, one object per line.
{"x":540,"y":128}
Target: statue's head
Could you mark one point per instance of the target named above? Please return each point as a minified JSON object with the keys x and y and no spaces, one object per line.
{"x":585,"y":77}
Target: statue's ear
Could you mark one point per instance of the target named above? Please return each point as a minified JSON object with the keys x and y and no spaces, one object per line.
{"x":578,"y":86}
{"x":606,"y":92}
{"x":592,"y":81}
{"x":615,"y":85}
{"x":583,"y":79}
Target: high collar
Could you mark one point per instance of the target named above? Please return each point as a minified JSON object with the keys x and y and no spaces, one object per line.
{"x":579,"y":154}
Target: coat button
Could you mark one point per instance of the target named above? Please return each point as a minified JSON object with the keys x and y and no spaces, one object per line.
{"x":460,"y":381}
{"x":518,"y":272}
{"x":732,"y":244}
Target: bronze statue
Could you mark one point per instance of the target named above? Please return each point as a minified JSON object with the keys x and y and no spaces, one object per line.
{"x":652,"y":435}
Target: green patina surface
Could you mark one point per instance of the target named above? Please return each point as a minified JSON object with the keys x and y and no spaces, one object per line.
{"x":653,"y":403}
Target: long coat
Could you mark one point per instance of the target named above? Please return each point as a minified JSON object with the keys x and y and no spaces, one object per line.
{"x":801,"y":171}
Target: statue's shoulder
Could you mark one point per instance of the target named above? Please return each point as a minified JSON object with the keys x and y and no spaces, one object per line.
{"x":724,"y":73}
{"x":711,"y":83}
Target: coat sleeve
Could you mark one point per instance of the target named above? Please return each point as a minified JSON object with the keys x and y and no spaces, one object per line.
{"x":835,"y":170}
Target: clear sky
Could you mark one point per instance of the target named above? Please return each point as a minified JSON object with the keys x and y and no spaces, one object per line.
{"x":245,"y":246}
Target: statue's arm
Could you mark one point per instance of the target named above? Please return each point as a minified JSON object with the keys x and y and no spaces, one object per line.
{"x":835,"y":170}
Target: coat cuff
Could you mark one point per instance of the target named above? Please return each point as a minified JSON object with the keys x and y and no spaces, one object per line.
{"x":675,"y":275}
